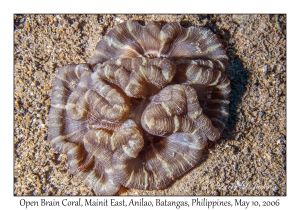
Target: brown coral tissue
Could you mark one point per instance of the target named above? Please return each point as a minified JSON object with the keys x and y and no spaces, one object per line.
{"x":142,"y":110}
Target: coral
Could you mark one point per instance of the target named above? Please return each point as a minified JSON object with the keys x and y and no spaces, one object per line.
{"x":141,"y":111}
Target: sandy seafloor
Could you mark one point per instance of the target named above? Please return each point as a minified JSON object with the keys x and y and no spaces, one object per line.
{"x":250,"y":157}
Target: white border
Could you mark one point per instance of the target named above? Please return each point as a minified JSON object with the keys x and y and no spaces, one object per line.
{"x":8,"y":8}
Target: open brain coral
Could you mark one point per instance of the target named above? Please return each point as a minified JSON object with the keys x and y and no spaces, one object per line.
{"x":141,"y":111}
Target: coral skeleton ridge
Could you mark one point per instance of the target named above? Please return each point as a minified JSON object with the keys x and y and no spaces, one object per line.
{"x":142,"y":110}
